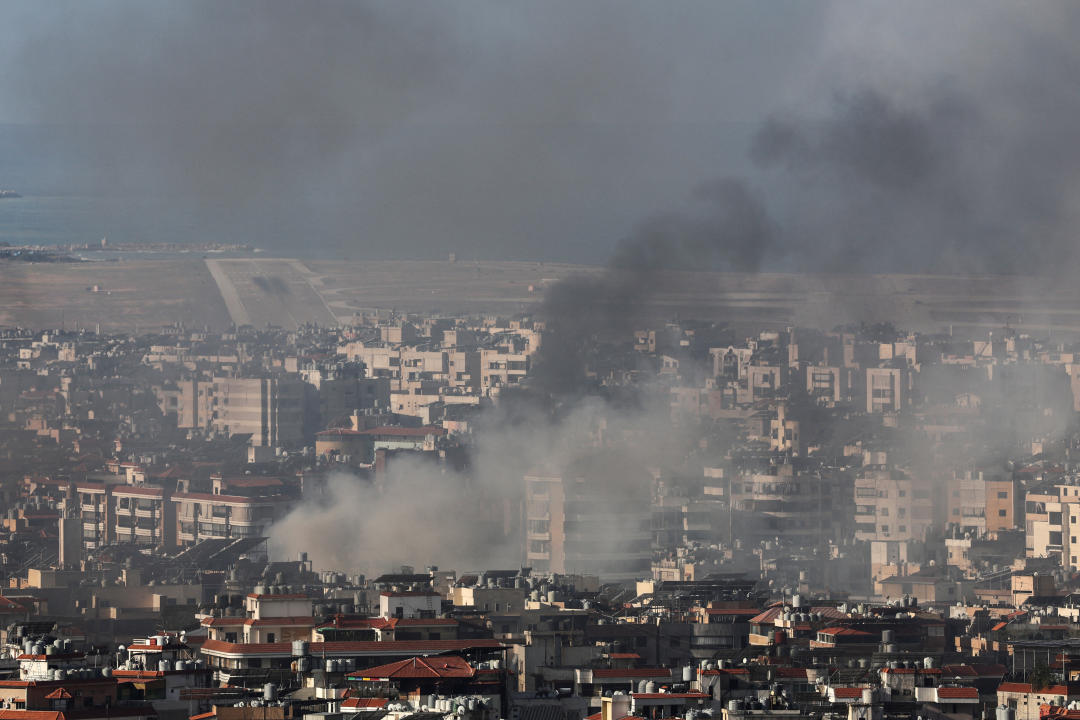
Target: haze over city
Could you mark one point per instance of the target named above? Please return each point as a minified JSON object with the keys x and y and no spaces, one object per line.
{"x":539,"y":361}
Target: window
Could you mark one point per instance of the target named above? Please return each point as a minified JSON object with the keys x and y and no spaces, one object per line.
{"x":956,"y":511}
{"x":1003,"y":495}
{"x":270,"y":637}
{"x":902,"y":528}
{"x":884,"y":512}
{"x":1002,"y":513}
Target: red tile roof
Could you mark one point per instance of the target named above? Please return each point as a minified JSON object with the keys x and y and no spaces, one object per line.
{"x":10,"y":605}
{"x":304,"y":621}
{"x":418,"y":668}
{"x":846,"y":632}
{"x":847,"y":692}
{"x":358,"y":647}
{"x":959,"y":671}
{"x":373,"y":703}
{"x":957,"y":693}
{"x":631,"y":672}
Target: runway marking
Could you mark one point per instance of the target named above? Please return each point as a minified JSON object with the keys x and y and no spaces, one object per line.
{"x":237,"y":312}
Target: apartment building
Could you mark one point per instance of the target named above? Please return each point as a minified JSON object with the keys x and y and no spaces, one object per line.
{"x":891,"y":505}
{"x":884,"y":390}
{"x":981,"y":502}
{"x":823,"y":383}
{"x":95,"y":513}
{"x":143,"y":515}
{"x":1052,"y":522}
{"x":270,"y":409}
{"x":784,"y":432}
{"x":787,"y":501}
{"x":200,"y":516}
{"x":499,"y":368}
{"x":574,"y":523}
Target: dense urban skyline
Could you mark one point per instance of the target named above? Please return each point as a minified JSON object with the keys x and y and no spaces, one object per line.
{"x":539,"y":361}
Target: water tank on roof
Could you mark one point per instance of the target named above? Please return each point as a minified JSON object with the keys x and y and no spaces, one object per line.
{"x":58,"y":643}
{"x":164,"y":666}
{"x":688,"y":673}
{"x":641,"y":685}
{"x":106,"y":672}
{"x":796,"y":601}
{"x":650,"y":686}
{"x":270,"y":692}
{"x":888,"y":636}
{"x":928,"y":662}
{"x":300,"y":648}
{"x":1004,"y":712}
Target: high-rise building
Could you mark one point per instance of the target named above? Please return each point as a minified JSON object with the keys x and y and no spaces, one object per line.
{"x":594,"y":518}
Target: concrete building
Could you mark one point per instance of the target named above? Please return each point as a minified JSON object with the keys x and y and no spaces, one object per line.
{"x":578,"y":521}
{"x":199,"y":516}
{"x":884,"y":390}
{"x":270,"y":409}
{"x":891,"y":505}
{"x":980,"y":502}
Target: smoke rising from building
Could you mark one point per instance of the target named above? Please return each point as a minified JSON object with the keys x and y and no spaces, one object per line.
{"x":423,"y":512}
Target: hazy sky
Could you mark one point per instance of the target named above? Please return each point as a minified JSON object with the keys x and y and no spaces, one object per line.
{"x":869,"y":135}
